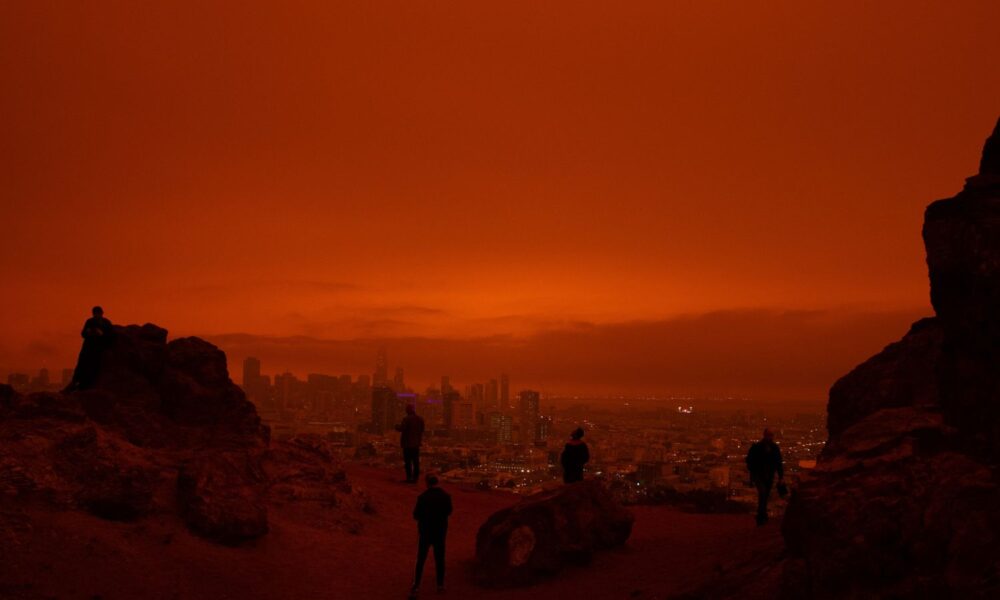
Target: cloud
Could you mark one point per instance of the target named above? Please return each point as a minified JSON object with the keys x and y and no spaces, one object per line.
{"x":764,"y":353}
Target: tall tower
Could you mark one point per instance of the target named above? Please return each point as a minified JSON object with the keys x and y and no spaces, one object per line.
{"x":381,"y":376}
{"x":504,"y":393}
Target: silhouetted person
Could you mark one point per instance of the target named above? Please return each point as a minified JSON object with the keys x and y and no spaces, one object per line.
{"x":763,"y":461}
{"x":431,"y":513}
{"x":97,"y":335}
{"x":574,"y":456}
{"x":411,"y":434}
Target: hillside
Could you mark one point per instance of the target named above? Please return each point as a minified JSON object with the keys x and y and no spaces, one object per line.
{"x":68,"y":554}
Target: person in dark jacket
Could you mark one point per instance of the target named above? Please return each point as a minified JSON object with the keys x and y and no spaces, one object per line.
{"x":97,"y":335}
{"x":411,"y":435}
{"x":431,"y":513}
{"x":763,"y":461}
{"x":574,"y":456}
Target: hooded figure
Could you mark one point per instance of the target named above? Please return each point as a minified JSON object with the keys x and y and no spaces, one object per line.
{"x":411,"y":435}
{"x":574,"y":456}
{"x":97,"y":335}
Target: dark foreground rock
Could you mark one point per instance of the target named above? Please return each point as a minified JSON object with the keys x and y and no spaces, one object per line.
{"x":541,"y":535}
{"x":905,"y":499}
{"x":163,"y":431}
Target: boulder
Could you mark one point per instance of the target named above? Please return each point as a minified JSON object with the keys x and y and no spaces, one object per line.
{"x":542,"y":534}
{"x":905,"y":497}
{"x":221,"y":497}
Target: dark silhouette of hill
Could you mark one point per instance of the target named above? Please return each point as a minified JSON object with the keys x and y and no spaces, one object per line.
{"x":905,"y":501}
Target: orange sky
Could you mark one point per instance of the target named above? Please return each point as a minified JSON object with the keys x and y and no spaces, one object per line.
{"x":536,"y":176}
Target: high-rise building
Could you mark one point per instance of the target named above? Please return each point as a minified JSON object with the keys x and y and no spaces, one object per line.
{"x":446,"y":385}
{"x":529,"y":413}
{"x":449,"y":402}
{"x":381,"y":376}
{"x":397,"y":380}
{"x":502,"y":427}
{"x":383,"y":409}
{"x":251,"y":371}
{"x":252,"y":384}
{"x":491,"y":402}
{"x":464,"y":414}
{"x":504,"y":393}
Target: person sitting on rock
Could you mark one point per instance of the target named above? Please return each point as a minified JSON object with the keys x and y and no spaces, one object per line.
{"x":97,"y":335}
{"x":574,"y":456}
{"x":411,"y":434}
{"x":431,"y":513}
{"x":763,"y":461}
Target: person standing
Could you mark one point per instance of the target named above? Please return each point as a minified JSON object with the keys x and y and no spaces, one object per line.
{"x":431,"y":513}
{"x":574,"y":456}
{"x":411,"y":435}
{"x":763,"y":461}
{"x":97,"y":335}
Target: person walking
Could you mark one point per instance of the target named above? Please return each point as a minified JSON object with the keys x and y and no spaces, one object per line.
{"x":763,"y":461}
{"x":431,"y":513}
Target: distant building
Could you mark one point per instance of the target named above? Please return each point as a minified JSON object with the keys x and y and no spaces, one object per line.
{"x":446,"y":385}
{"x":504,"y":393}
{"x":252,"y":383}
{"x":383,"y":409}
{"x":42,"y":381}
{"x":381,"y":377}
{"x":529,"y":414}
{"x":449,"y":401}
{"x":502,"y":427}
{"x":491,"y":402}
{"x":397,"y":381}
{"x":19,"y":381}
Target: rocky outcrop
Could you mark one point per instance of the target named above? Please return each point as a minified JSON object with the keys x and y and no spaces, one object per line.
{"x":163,"y":430}
{"x":904,"y":501}
{"x":541,"y":535}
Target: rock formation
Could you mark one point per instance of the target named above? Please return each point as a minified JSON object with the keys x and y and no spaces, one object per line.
{"x":904,"y":501}
{"x":163,"y":430}
{"x":520,"y":544}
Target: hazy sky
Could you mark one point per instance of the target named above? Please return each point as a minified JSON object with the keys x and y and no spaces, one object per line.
{"x":645,"y":196}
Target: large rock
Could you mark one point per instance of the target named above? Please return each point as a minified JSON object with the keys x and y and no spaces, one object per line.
{"x":162,"y":429}
{"x":541,"y":535}
{"x":905,"y":500}
{"x":161,"y":393}
{"x":221,"y":497}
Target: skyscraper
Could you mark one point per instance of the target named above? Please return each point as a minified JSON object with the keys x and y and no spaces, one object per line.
{"x":492,"y":400}
{"x":449,"y":401}
{"x":445,"y":385}
{"x":504,"y":393}
{"x":381,"y":376}
{"x":251,"y":378}
{"x":529,"y":409}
